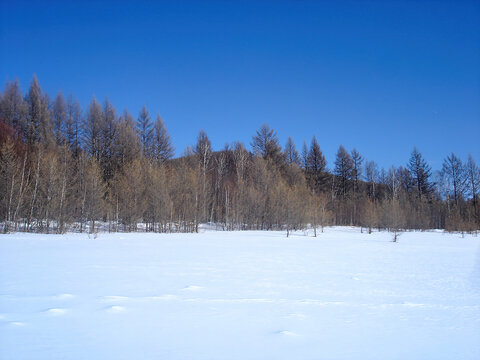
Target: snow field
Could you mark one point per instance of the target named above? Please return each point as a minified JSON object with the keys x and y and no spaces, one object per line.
{"x":240,"y":295}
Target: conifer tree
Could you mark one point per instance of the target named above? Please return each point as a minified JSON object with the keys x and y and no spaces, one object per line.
{"x":473,"y":180}
{"x":74,"y":125}
{"x":266,"y":145}
{"x":13,"y":109}
{"x":455,"y":172}
{"x":343,"y":170}
{"x":315,"y":167}
{"x":59,"y":168}
{"x":291,"y":153}
{"x":127,"y":145}
{"x":357,"y":169}
{"x":421,"y":173}
{"x":38,"y":123}
{"x":60,"y":118}
{"x":108,"y":134}
{"x":163,"y":148}
{"x":145,"y":132}
{"x":92,"y":130}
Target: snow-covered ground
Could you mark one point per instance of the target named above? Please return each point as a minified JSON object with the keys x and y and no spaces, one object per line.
{"x":240,"y":295}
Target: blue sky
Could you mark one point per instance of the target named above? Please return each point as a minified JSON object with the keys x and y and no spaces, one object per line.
{"x":376,"y":75}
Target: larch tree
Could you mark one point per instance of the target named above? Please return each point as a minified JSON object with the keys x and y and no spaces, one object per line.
{"x":74,"y":125}
{"x":108,"y":134}
{"x":13,"y":109}
{"x":454,"y":170}
{"x":60,"y":167}
{"x":59,"y":118}
{"x":304,"y":155}
{"x":265,"y":144}
{"x":421,"y":173}
{"x":473,"y":180}
{"x":38,"y":123}
{"x":127,"y":145}
{"x":92,"y":130}
{"x":357,"y":169}
{"x":145,"y":132}
{"x":291,"y":153}
{"x":343,"y":170}
{"x":163,"y":148}
{"x":357,"y":161}
{"x":315,"y":167}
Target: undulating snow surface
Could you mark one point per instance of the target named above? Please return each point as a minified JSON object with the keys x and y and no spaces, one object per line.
{"x":240,"y":295}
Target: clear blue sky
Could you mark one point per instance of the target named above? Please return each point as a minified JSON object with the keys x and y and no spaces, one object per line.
{"x":376,"y":75}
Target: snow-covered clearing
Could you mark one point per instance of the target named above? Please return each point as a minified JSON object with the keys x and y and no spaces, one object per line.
{"x":240,"y":295}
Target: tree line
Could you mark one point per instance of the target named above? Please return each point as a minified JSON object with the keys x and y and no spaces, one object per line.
{"x":64,"y":168}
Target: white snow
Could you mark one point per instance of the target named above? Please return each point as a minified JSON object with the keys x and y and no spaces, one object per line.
{"x":240,"y":295}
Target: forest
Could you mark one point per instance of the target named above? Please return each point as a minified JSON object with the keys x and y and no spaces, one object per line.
{"x":64,"y":168}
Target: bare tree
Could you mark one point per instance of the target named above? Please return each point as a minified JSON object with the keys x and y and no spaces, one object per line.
{"x":127,"y":145}
{"x":420,"y":172}
{"x":108,"y":134}
{"x":315,"y":167}
{"x":73,"y":129}
{"x":145,"y":132}
{"x":59,"y":118}
{"x":163,"y":147}
{"x":291,"y":153}
{"x":38,"y":124}
{"x":371,"y":175}
{"x":453,"y":168}
{"x":266,"y":145}
{"x":13,"y":109}
{"x":203,"y":151}
{"x":8,"y":181}
{"x":343,"y":170}
{"x":473,"y":179}
{"x":92,"y":129}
